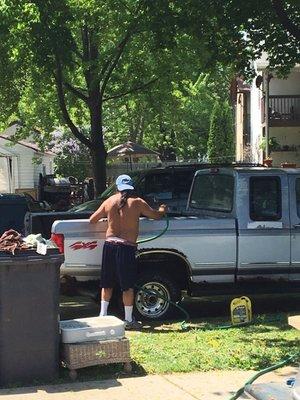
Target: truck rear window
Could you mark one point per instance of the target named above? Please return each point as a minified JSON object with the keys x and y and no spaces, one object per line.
{"x":213,"y":192}
{"x":265,"y":198}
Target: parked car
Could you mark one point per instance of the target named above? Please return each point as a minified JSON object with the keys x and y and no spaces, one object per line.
{"x":13,"y":208}
{"x":169,"y":185}
{"x":240,"y":235}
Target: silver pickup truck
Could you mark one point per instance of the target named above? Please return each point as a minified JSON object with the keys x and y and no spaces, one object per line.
{"x":240,"y":234}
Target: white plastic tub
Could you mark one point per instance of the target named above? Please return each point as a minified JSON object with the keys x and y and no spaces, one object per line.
{"x":91,"y":329}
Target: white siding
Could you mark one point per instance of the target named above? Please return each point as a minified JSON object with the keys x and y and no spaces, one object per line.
{"x":48,"y":162}
{"x":25,"y":171}
{"x":289,"y":86}
{"x":287,"y":135}
{"x":45,"y":167}
{"x":4,"y":175}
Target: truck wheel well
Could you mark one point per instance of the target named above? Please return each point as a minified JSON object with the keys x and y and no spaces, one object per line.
{"x":172,"y":264}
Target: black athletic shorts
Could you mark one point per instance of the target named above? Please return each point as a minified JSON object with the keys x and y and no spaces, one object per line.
{"x":119,"y":266}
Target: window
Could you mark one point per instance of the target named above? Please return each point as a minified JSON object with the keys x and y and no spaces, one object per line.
{"x":159,"y":186}
{"x":298,"y":196}
{"x":213,"y":192}
{"x":265,"y":198}
{"x":182,"y":183}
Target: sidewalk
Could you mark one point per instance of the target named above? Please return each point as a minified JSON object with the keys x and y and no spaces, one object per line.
{"x":218,"y":385}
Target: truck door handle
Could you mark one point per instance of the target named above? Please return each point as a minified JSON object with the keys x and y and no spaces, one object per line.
{"x":296,"y":226}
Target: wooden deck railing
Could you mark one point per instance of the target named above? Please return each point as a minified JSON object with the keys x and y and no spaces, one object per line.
{"x":284,"y":108}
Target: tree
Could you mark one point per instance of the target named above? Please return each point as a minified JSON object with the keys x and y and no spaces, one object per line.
{"x":220,"y":145}
{"x":243,"y":30}
{"x":174,"y":121}
{"x":62,"y":61}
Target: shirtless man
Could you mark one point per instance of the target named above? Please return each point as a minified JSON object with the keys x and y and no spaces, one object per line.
{"x":119,"y":265}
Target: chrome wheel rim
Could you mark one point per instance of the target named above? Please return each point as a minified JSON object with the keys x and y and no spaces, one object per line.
{"x":147,"y":301}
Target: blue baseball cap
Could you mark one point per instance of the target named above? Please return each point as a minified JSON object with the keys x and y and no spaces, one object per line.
{"x":124,"y":182}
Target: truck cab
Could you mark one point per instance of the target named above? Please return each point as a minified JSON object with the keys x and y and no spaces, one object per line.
{"x":264,"y":204}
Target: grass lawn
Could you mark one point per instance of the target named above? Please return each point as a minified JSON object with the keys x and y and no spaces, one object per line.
{"x":165,"y":348}
{"x":169,"y":349}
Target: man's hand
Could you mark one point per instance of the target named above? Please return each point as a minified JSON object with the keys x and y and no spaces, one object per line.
{"x":147,"y":211}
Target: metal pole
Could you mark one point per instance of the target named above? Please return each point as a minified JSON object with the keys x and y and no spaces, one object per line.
{"x":267,"y":112}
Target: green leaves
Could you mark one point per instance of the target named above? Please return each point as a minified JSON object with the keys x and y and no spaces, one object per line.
{"x":145,"y":70}
{"x":220,"y":145}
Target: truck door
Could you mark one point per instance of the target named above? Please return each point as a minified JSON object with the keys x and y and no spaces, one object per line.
{"x":294,"y":186}
{"x":264,"y":228}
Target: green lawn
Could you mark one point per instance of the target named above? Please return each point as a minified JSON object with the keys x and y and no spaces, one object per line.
{"x":169,"y":349}
{"x":165,"y":348}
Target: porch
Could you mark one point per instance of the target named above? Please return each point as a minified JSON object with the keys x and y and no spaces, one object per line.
{"x":284,"y":110}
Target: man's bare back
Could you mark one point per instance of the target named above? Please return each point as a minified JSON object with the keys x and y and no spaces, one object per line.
{"x":124,"y":223}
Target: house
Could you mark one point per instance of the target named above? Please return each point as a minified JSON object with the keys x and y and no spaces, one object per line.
{"x":21,"y":163}
{"x":268,"y":117}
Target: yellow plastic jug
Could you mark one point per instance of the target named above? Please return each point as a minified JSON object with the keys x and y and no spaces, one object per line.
{"x":241,"y":310}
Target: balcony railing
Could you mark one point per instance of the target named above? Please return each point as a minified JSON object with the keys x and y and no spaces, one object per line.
{"x":284,"y":110}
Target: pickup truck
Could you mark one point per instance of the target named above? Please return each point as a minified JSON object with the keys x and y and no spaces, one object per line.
{"x":170,"y":185}
{"x":240,"y":234}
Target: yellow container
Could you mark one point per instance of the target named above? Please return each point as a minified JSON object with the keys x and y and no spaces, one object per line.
{"x":241,"y":310}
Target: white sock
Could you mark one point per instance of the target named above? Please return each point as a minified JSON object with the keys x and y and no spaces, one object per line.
{"x":128,"y":313}
{"x":104,"y":307}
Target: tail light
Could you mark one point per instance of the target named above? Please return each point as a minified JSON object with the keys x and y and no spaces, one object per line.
{"x":58,"y":239}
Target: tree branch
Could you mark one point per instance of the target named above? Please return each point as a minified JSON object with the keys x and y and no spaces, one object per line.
{"x":77,"y":92}
{"x":61,"y":97}
{"x":78,"y":54}
{"x":284,"y":19}
{"x":134,"y":89}
{"x":86,"y":54}
{"x":111,"y":64}
{"x":115,"y":61}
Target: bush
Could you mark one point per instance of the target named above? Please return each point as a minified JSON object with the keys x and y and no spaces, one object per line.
{"x":220,"y":144}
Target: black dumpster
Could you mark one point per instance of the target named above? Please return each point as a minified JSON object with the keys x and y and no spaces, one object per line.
{"x":29,"y":312}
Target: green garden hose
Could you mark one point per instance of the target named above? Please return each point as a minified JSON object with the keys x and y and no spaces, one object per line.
{"x":264,"y":371}
{"x":157,"y":236}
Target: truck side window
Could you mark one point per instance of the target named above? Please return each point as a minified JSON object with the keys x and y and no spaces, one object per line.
{"x":298,"y":196}
{"x":183,"y":181}
{"x":265,"y":198}
{"x":159,"y":186}
{"x":213,"y":192}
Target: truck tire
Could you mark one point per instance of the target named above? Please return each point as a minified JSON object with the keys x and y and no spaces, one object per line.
{"x":147,"y":305}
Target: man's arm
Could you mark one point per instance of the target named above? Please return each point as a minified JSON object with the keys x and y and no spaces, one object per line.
{"x":100,"y":213}
{"x":147,"y":211}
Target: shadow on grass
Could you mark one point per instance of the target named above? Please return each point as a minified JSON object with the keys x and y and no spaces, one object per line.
{"x":259,"y":324}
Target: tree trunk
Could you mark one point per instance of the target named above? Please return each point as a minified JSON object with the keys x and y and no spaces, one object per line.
{"x":99,"y":169}
{"x":98,"y":152}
